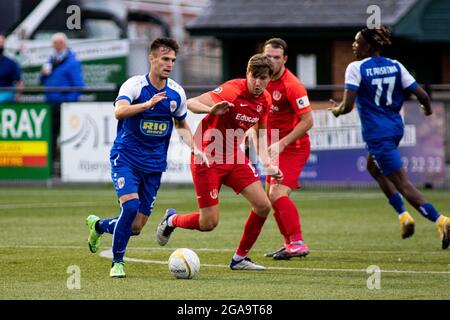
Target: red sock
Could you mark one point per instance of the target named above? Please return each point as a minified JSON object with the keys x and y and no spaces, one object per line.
{"x":187,"y":221}
{"x":283,"y":232}
{"x":252,"y":229}
{"x":289,"y":217}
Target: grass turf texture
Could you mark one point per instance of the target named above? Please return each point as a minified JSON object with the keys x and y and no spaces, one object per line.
{"x":43,"y":232}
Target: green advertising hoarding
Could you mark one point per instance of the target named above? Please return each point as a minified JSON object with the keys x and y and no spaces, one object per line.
{"x":25,"y":135}
{"x":104,"y":64}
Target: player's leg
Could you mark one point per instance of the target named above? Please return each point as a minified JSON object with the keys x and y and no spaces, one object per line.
{"x":394,"y":198}
{"x":207,"y":182}
{"x":126,"y":182}
{"x":277,"y":216}
{"x":148,"y":191}
{"x":418,"y":201}
{"x":97,"y":227}
{"x":279,"y":197}
{"x":129,"y":204}
{"x":291,"y":164}
{"x":389,"y":162}
{"x":244,"y":179}
{"x":257,"y":197}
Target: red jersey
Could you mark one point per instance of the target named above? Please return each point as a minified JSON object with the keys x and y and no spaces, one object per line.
{"x":231,"y":127}
{"x":290,"y":100}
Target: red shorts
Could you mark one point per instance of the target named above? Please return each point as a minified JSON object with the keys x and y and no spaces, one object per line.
{"x":207,"y":181}
{"x":291,"y":163}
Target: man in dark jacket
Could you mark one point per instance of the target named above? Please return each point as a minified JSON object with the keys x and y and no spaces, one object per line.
{"x":10,"y":75}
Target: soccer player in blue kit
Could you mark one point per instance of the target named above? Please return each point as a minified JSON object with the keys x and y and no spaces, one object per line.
{"x":145,"y":107}
{"x":377,"y":84}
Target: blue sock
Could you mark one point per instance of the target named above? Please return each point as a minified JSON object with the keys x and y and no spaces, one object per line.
{"x":396,"y":201}
{"x":429,"y":212}
{"x":106,"y":225}
{"x":122,"y":232}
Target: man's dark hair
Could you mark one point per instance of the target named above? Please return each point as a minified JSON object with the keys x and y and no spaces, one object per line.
{"x":277,"y":43}
{"x":378,"y":37}
{"x":260,"y":64}
{"x":164,"y":43}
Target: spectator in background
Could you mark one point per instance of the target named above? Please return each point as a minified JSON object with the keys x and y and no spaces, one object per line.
{"x":10,"y":75}
{"x":62,"y":69}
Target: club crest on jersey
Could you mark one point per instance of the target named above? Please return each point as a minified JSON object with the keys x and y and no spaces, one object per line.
{"x":173,"y":106}
{"x":302,"y":102}
{"x":154,"y":128}
{"x":276,"y":95}
{"x":218,"y":90}
{"x":214,"y":194}
{"x":121,"y":182}
{"x":258,"y":108}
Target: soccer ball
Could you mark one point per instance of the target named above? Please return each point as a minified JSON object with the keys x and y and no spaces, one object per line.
{"x":184,"y":263}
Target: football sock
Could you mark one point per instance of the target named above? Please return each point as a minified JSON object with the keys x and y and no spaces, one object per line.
{"x":429,"y":212}
{"x":122,"y":232}
{"x":289,"y":217}
{"x":396,"y":202}
{"x":237,"y":257}
{"x":186,"y":221}
{"x":106,"y":225}
{"x":252,"y":229}
{"x":283,"y":232}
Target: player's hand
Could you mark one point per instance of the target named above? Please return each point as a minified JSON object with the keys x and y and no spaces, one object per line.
{"x":221,"y":108}
{"x":276,"y":173}
{"x":275,"y":149}
{"x":335,"y":109}
{"x":150,"y":104}
{"x":427,"y":112}
{"x":200,"y":157}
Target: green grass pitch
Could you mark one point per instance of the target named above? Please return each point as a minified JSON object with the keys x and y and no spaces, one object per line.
{"x":43,"y":234}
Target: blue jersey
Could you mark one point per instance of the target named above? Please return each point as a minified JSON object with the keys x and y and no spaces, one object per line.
{"x":380,"y":84}
{"x":143,"y":140}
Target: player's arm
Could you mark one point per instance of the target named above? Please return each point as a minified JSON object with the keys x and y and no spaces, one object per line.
{"x":124,"y":109}
{"x":184,"y":131}
{"x":410,"y":84}
{"x":305,"y":124}
{"x":346,"y":105}
{"x":263,"y":152}
{"x":424,"y":100}
{"x":205,"y":104}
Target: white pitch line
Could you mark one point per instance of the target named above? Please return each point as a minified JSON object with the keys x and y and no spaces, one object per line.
{"x":108,"y":254}
{"x":19,"y":246}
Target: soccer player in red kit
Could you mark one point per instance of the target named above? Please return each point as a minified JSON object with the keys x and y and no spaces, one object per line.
{"x":219,"y":136}
{"x":291,"y":115}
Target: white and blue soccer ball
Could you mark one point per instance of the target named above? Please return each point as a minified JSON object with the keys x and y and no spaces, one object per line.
{"x":184,"y":263}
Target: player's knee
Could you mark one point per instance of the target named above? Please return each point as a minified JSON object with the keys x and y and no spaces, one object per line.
{"x":274,"y":196}
{"x":136,"y":230}
{"x":208,"y":225}
{"x":263,"y":208}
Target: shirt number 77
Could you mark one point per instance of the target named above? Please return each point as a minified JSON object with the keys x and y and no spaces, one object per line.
{"x":390,"y":81}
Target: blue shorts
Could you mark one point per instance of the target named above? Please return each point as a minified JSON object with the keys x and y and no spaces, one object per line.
{"x":128,"y":180}
{"x":385,"y":154}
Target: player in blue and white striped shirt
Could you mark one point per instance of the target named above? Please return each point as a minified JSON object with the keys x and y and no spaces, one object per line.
{"x":377,"y":84}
